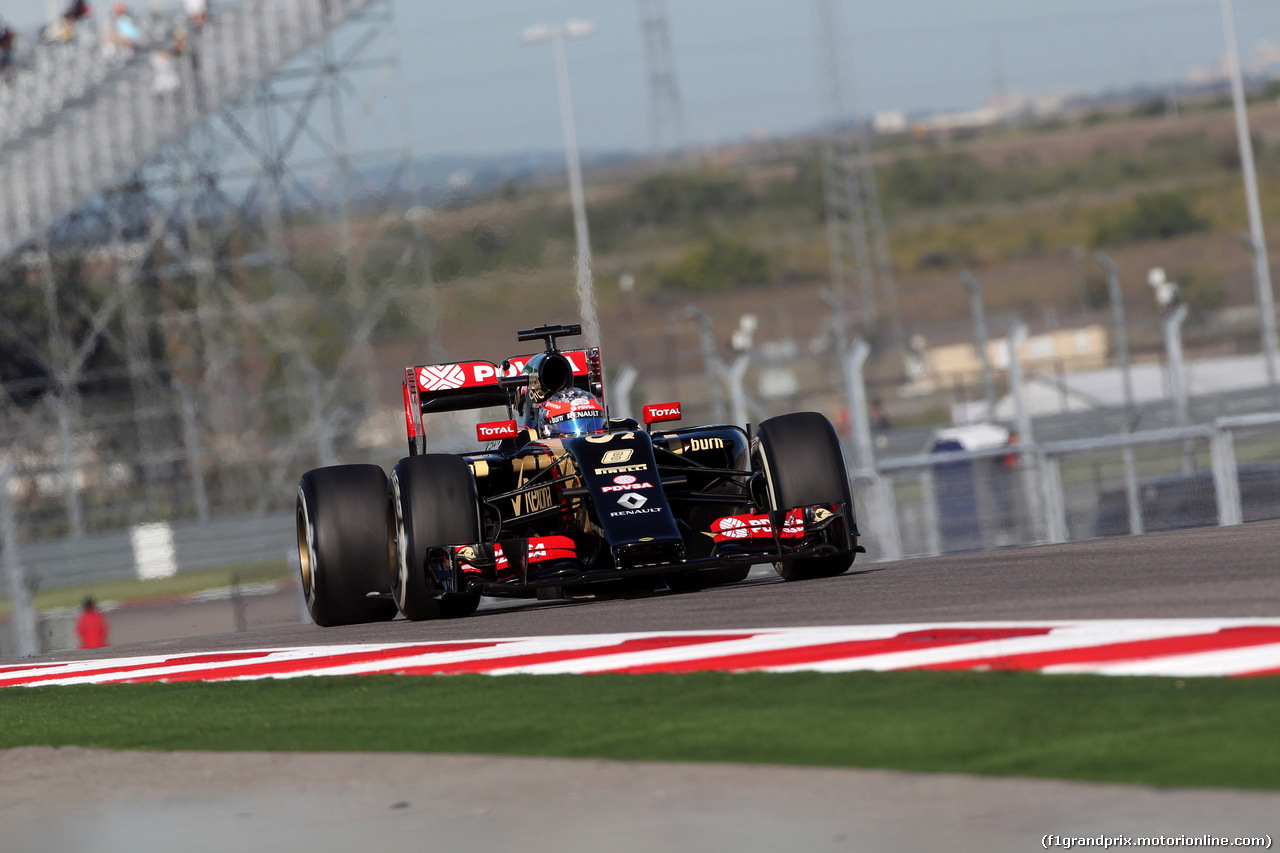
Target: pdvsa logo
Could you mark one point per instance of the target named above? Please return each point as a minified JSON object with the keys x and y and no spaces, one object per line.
{"x":625,"y":483}
{"x":734,"y":528}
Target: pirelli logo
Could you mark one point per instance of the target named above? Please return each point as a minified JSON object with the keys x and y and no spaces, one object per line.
{"x":622,"y":469}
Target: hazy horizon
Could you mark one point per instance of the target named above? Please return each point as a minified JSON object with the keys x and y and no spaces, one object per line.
{"x":750,"y":67}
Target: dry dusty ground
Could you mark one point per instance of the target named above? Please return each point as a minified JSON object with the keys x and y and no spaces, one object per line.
{"x":73,"y":799}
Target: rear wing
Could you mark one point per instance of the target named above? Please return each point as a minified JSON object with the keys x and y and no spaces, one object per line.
{"x":455,"y":386}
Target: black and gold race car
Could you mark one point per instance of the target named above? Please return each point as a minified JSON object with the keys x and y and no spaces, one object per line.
{"x":566,"y":500}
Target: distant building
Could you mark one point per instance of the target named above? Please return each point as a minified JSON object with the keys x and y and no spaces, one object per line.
{"x":889,"y":121}
{"x":1084,"y":348}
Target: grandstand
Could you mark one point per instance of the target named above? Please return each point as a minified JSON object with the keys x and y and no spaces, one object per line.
{"x":156,"y":331}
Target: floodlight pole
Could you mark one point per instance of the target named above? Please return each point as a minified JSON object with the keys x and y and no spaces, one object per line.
{"x":1257,"y":239}
{"x":980,"y":339}
{"x":1122,"y":335}
{"x":556,"y":34}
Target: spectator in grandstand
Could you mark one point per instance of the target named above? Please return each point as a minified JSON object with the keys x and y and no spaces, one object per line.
{"x":7,"y":38}
{"x":124,"y":34}
{"x":164,"y":71}
{"x":63,"y":29}
{"x":880,"y":421}
{"x":91,"y":627}
{"x":197,"y":12}
{"x":76,"y":12}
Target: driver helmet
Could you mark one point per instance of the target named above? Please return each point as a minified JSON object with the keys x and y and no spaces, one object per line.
{"x":570,"y":412}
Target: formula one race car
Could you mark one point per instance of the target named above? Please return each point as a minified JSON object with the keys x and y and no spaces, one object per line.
{"x":565,"y":499}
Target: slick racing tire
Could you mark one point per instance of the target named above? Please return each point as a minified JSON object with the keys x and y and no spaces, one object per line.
{"x":802,"y":463}
{"x":342,"y":544}
{"x":431,"y":501}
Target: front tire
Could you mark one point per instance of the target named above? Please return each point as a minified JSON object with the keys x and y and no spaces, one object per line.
{"x":803,"y":465}
{"x":342,"y":544}
{"x":431,"y":502}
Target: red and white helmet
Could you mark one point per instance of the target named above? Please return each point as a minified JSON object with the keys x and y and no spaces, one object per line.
{"x":570,"y":412}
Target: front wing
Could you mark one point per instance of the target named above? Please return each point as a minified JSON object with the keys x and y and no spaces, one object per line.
{"x":518,"y":566}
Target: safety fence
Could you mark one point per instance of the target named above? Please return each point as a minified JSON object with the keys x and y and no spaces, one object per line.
{"x":1224,"y":473}
{"x":928,"y":504}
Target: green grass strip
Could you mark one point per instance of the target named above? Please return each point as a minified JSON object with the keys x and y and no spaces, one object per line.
{"x":183,"y":583}
{"x":1160,"y":731}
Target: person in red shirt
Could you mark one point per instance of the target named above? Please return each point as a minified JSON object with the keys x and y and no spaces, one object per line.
{"x":91,"y":627}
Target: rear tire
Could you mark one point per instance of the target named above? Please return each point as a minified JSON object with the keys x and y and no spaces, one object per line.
{"x":803,"y":465}
{"x":431,"y":502}
{"x":342,"y":544}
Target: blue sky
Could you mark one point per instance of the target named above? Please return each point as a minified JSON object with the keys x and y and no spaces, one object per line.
{"x":748,"y":65}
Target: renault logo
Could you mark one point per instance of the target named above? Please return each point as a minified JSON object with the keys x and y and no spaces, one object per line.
{"x":631,"y":500}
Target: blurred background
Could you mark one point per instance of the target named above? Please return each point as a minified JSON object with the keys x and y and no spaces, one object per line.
{"x":1023,"y":236}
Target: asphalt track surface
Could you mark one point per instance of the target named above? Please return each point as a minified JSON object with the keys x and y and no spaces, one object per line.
{"x":1206,"y":572}
{"x":84,"y":799}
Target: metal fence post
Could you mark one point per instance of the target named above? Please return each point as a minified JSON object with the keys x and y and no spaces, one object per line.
{"x":1177,"y":370}
{"x":26,"y":636}
{"x":1226,"y":478}
{"x":320,"y":419}
{"x":734,"y":377}
{"x":855,"y":396}
{"x":620,"y":392}
{"x":980,"y":339}
{"x":1017,"y":390}
{"x":929,"y":500}
{"x":195,"y":454}
{"x":1122,"y":336}
{"x":710,"y":361}
{"x":887,"y":521}
{"x":1055,"y":511}
{"x":70,"y":470}
{"x":1039,"y":501}
{"x":1122,"y":349}
{"x":1132,"y":494}
{"x":1178,"y":376}
{"x":884,"y":505}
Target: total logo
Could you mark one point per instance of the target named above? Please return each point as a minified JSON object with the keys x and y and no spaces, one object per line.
{"x":497,"y":429}
{"x":625,"y":483}
{"x":662,"y":412}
